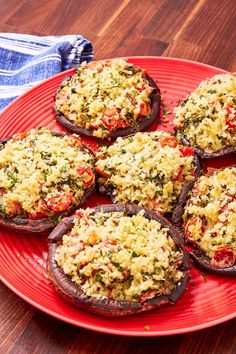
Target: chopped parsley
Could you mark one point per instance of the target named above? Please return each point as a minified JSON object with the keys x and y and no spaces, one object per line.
{"x":98,"y":277}
{"x":147,"y":327}
{"x":166,"y":111}
{"x":134,"y":254}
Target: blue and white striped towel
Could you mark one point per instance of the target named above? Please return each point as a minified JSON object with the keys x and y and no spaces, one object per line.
{"x":25,"y":60}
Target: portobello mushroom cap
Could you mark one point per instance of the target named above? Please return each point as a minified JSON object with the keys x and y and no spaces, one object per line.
{"x":199,"y":256}
{"x":142,"y":124}
{"x":108,"y":189}
{"x":73,"y":293}
{"x":42,"y":225}
{"x":202,"y":153}
{"x":202,"y":260}
{"x":205,"y":119}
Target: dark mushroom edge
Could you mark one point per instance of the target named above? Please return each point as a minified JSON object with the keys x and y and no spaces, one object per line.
{"x":202,"y":153}
{"x":199,"y":257}
{"x":47,"y":224}
{"x":141,"y":125}
{"x":74,"y":294}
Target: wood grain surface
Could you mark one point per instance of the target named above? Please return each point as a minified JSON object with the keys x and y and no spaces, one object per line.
{"x":201,"y":30}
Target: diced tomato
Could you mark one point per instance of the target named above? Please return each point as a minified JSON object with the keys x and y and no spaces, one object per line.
{"x":147,"y":295}
{"x":40,"y":210}
{"x":108,"y":119}
{"x":82,"y":216}
{"x":121,"y":123}
{"x":169,"y":141}
{"x":34,"y":215}
{"x":224,"y":209}
{"x":110,"y":242}
{"x":144,"y":73}
{"x":223,"y":257}
{"x":93,"y":126}
{"x":186,"y":151}
{"x":140,"y":88}
{"x":19,"y":136}
{"x":86,"y":174}
{"x":195,"y":222}
{"x":144,"y":109}
{"x":109,"y":122}
{"x":193,"y":172}
{"x":79,"y":214}
{"x":82,"y":265}
{"x":101,"y":172}
{"x":231,"y":119}
{"x":13,"y":208}
{"x":177,"y":175}
{"x":112,"y":121}
{"x":60,"y":202}
{"x":74,"y":140}
{"x":210,"y":171}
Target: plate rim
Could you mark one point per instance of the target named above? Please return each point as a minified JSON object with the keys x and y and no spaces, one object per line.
{"x":95,"y":328}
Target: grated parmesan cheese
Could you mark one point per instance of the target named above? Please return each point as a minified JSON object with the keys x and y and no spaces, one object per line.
{"x":210,"y":213}
{"x":145,"y":170}
{"x":39,"y":173}
{"x":118,"y":256}
{"x":105,"y":95}
{"x":208,"y":115}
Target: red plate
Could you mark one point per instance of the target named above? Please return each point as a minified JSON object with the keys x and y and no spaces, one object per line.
{"x":209,"y":300}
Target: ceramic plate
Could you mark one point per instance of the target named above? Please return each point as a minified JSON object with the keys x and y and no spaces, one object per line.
{"x":209,"y":300}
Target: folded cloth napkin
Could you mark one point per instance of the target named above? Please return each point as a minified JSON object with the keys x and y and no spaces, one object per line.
{"x":25,"y":60}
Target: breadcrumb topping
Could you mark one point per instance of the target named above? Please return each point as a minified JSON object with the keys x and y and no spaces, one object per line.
{"x":208,"y":115}
{"x":41,"y":174}
{"x":120,"y":257}
{"x":104,"y":96}
{"x":210,"y":213}
{"x":149,"y":169}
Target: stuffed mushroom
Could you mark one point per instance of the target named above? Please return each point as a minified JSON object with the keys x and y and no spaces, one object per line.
{"x":148,"y":169}
{"x":107,"y":99}
{"x":117,"y":260}
{"x":43,"y":176}
{"x":206,"y":119}
{"x":209,"y":220}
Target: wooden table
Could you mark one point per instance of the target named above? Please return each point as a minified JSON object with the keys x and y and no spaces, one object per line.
{"x":201,"y":30}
